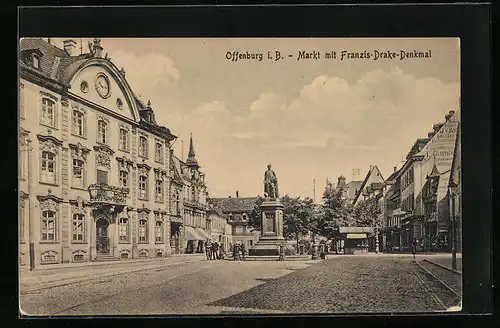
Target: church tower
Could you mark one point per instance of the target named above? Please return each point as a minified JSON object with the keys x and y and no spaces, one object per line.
{"x":191,"y":160}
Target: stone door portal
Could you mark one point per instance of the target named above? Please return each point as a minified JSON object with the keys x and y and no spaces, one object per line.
{"x":102,"y":239}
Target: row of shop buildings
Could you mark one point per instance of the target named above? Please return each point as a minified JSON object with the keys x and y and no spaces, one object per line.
{"x":98,"y":177}
{"x":421,"y":201}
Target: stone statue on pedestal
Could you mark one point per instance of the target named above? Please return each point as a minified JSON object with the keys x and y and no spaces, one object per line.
{"x":270,"y":183}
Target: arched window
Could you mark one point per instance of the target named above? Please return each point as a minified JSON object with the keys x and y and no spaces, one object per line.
{"x":123,"y":139}
{"x":244,"y":217}
{"x":48,"y":225}
{"x":124,"y":230}
{"x":159,"y":190}
{"x":78,"y":127}
{"x":159,"y":232}
{"x":159,"y":152}
{"x":143,"y":187}
{"x":48,"y":115}
{"x":123,"y":176}
{"x":143,"y":146}
{"x":78,"y":227}
{"x":78,"y":173}
{"x":48,"y":167}
{"x":143,"y":230}
{"x":102,"y":131}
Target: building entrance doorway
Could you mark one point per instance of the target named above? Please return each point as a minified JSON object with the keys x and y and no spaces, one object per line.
{"x":102,"y":239}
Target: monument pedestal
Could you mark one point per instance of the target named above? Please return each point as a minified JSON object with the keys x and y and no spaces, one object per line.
{"x":272,"y":231}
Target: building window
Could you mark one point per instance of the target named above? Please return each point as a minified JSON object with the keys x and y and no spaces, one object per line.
{"x":193,"y":193}
{"x":102,"y":176}
{"x":36,"y":61}
{"x":239,"y":229}
{"x":159,"y":190}
{"x":78,"y":123}
{"x":143,"y":187}
{"x":78,"y":173}
{"x":79,"y":257}
{"x":143,"y":146}
{"x":123,"y":230}
{"x":143,"y":231}
{"x":48,"y":167}
{"x":159,"y":232}
{"x":177,"y":203}
{"x":21,"y":101}
{"x":78,"y":230}
{"x":159,"y":152}
{"x":123,"y":139}
{"x":123,"y":176}
{"x":244,"y":217}
{"x":102,"y":129}
{"x":48,"y":226}
{"x":22,"y":218}
{"x":48,"y":115}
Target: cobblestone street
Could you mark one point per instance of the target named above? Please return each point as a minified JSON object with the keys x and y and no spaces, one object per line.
{"x":371,"y":283}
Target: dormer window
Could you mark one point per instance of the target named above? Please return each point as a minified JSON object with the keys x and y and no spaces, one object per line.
{"x":35,"y":61}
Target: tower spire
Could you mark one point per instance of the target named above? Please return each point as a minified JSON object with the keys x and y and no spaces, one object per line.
{"x":191,"y":160}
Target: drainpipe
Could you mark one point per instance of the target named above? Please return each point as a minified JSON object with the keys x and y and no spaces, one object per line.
{"x":31,"y":202}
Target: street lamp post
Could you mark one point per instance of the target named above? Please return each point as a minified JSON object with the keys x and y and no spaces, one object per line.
{"x":452,"y":189}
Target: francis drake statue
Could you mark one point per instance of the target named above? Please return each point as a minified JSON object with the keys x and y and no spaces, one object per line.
{"x":270,"y":184}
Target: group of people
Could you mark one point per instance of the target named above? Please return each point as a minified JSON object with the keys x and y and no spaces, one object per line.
{"x":214,"y":250}
{"x":239,"y":252}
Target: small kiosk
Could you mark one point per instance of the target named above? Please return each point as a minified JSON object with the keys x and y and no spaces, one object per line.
{"x":355,"y":239}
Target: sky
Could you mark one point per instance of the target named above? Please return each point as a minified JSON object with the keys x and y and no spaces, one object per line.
{"x":311,"y":119}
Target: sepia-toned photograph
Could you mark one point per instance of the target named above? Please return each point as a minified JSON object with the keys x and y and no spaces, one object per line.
{"x":212,"y":176}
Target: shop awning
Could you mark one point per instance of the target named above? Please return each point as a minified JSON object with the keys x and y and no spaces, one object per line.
{"x":202,"y":233}
{"x":191,"y":234}
{"x":356,"y":236}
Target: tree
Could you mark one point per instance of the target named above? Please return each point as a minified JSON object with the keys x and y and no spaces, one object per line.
{"x":336,"y":212}
{"x":298,"y":217}
{"x":255,"y":216}
{"x":367,"y":213}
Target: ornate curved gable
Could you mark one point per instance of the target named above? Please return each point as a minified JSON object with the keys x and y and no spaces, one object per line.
{"x":100,"y":82}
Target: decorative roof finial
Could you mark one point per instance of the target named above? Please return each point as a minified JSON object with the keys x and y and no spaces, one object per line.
{"x":149,"y":103}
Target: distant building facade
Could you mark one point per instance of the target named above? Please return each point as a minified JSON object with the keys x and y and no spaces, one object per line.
{"x":238,"y":210}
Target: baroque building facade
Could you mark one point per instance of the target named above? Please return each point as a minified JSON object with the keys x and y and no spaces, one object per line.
{"x":95,"y":167}
{"x":189,"y":210}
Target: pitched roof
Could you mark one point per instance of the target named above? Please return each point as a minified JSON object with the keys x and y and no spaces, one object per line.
{"x":58,"y":66}
{"x":234,"y":204}
{"x":363,"y":185}
{"x":352,"y":188}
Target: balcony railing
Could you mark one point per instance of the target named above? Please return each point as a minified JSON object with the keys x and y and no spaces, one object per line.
{"x":104,"y":193}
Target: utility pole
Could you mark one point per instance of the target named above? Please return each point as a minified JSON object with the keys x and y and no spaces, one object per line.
{"x":182,"y":150}
{"x":314,"y":191}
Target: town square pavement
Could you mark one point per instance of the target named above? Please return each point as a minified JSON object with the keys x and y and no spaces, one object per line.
{"x":340,"y":284}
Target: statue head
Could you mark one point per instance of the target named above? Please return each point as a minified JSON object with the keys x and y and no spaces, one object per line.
{"x":268,"y":166}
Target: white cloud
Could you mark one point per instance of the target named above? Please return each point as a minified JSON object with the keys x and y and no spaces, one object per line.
{"x":147,"y":72}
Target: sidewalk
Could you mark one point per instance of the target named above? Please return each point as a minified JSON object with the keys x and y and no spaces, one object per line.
{"x":67,"y":274}
{"x":48,"y":267}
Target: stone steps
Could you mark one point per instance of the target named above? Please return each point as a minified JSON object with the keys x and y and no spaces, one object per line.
{"x":105,"y":257}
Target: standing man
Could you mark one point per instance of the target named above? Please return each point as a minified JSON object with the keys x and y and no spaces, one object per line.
{"x":270,"y":183}
{"x":208,"y":249}
{"x":281,"y":252}
{"x":414,"y":247}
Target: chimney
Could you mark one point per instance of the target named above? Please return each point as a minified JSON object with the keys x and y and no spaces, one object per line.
{"x":371,"y":167}
{"x":69,"y":46}
{"x":237,"y":194}
{"x":395,"y":169}
{"x":355,"y":174}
